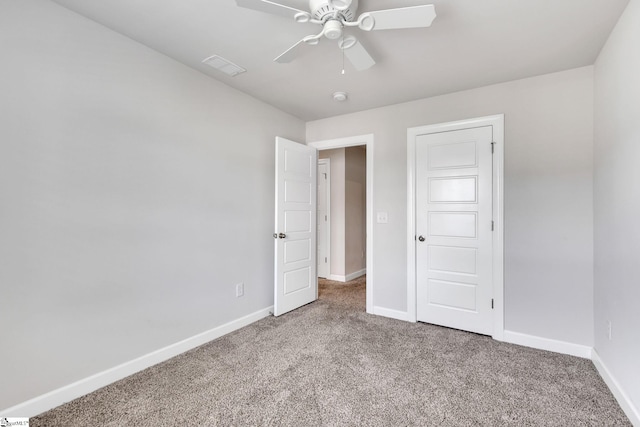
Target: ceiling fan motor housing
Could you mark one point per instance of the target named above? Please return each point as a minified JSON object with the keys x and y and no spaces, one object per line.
{"x":323,"y":9}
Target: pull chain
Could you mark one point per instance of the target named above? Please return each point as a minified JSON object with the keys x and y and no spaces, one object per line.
{"x":342,"y":48}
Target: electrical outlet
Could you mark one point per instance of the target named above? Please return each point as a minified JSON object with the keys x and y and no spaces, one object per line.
{"x":609,"y":329}
{"x":239,"y":290}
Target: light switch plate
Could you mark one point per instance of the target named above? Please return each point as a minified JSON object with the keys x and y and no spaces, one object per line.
{"x":382,"y":218}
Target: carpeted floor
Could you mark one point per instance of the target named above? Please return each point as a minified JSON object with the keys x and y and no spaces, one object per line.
{"x":331,"y":364}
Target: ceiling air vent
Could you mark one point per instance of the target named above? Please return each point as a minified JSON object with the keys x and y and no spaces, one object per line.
{"x":224,"y":65}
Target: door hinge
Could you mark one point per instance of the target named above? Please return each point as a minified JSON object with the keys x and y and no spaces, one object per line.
{"x":325,"y":217}
{"x":325,"y":259}
{"x":493,"y":147}
{"x":492,"y":303}
{"x":492,"y":225}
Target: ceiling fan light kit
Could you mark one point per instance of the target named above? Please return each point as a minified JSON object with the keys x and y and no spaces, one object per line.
{"x":335,"y":15}
{"x":333,"y":29}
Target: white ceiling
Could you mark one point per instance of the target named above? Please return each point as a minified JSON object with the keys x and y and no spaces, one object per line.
{"x":471,"y":43}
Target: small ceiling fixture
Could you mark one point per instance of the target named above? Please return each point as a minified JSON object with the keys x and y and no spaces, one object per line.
{"x":340,"y":96}
{"x":224,"y":65}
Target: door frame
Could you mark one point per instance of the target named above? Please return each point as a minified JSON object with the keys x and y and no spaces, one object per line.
{"x":328,"y":205}
{"x":497,"y":122}
{"x":353,"y":141}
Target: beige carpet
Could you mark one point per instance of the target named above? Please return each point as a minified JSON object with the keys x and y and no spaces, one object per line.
{"x":331,"y":364}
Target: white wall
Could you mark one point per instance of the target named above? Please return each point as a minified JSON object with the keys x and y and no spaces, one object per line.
{"x":336,"y":197}
{"x":617,"y":204}
{"x":548,"y":195}
{"x":135,"y":193}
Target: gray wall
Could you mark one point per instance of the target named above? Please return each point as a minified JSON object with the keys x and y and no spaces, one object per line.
{"x":135,"y":193}
{"x":548,"y":195}
{"x":617,"y":203}
{"x":355,"y":209}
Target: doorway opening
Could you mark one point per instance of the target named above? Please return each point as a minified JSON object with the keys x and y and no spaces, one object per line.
{"x":341,"y":223}
{"x":342,"y":219}
{"x":348,"y":245}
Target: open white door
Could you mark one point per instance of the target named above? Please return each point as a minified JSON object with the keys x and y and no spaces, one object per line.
{"x":296,"y":282}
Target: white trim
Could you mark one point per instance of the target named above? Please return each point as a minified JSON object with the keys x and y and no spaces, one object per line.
{"x":548,"y":344}
{"x":356,"y":274}
{"x":498,"y":235}
{"x":328,"y":204}
{"x":393,"y":314}
{"x":411,"y":227}
{"x":623,"y":400}
{"x":353,"y":141}
{"x":349,"y":277}
{"x":497,"y":122}
{"x":57,"y":397}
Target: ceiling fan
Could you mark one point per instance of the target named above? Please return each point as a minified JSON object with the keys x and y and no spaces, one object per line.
{"x":335,"y":15}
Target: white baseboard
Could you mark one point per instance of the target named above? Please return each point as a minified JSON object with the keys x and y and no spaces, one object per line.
{"x":87,"y":385}
{"x":393,"y":314}
{"x":349,"y":277}
{"x":540,"y":343}
{"x":356,"y":274}
{"x":623,"y":400}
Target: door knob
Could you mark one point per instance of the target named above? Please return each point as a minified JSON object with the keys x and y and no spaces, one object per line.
{"x":282,"y":235}
{"x":421,"y":238}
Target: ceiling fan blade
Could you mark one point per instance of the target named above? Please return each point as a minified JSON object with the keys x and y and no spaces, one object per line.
{"x":291,"y":53}
{"x":270,"y":7}
{"x":358,"y":55}
{"x":404,"y":17}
